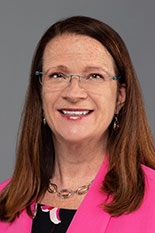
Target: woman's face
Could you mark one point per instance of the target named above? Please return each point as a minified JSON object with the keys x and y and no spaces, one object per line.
{"x":78,"y":54}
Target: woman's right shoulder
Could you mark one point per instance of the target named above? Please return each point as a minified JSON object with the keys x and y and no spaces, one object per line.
{"x":4,"y":183}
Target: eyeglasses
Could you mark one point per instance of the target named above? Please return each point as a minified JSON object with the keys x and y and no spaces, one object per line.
{"x":57,"y":81}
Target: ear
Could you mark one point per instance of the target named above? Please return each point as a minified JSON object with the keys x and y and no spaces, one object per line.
{"x":121,"y":97}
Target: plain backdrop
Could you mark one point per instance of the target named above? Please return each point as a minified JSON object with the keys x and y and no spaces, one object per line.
{"x":22,"y":23}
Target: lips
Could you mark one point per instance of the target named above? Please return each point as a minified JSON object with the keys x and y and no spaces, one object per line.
{"x":75,"y":114}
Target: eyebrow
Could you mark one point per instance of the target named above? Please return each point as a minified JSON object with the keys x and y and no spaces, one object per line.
{"x":91,"y":68}
{"x":59,"y":67}
{"x":86,"y":69}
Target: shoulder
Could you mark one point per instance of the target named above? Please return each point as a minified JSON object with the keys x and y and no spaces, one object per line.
{"x":149,"y":173}
{"x":4,"y":183}
{"x":149,"y":176}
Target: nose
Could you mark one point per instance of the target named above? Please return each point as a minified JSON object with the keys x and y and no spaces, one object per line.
{"x":74,"y":92}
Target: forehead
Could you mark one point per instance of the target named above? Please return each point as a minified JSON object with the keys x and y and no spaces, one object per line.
{"x":76,"y":50}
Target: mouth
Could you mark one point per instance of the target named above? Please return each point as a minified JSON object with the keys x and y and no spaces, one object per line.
{"x":75,"y":113}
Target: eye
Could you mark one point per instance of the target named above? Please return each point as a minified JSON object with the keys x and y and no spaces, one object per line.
{"x":95,"y":76}
{"x":56,"y":76}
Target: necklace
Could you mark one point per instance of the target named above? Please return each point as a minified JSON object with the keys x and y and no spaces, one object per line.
{"x":66,"y":193}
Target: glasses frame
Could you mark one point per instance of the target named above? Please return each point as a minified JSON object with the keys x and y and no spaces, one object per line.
{"x":38,"y":73}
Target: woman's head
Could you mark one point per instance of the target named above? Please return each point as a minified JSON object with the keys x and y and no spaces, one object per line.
{"x":94,"y":93}
{"x":93,"y":29}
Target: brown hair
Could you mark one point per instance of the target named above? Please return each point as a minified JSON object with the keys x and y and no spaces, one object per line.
{"x":129,"y":147}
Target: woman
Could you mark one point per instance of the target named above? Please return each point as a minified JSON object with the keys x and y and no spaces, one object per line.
{"x":86,"y":157}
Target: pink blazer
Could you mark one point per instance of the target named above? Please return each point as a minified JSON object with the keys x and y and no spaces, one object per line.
{"x":90,"y":218}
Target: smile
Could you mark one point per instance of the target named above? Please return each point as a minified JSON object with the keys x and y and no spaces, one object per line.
{"x":74,"y":114}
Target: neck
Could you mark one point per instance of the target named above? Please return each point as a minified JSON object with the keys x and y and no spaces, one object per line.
{"x":77,"y":164}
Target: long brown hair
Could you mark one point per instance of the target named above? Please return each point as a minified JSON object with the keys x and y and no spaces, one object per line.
{"x":129,"y":147}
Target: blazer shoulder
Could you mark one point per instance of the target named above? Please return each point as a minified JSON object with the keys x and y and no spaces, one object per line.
{"x":149,"y":175}
{"x":4,"y":183}
{"x":149,"y":172}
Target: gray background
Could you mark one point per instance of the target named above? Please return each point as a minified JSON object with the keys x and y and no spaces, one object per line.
{"x":21,"y":25}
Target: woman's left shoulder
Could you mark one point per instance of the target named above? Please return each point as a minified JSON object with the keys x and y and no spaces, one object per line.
{"x":149,"y":172}
{"x":149,"y":175}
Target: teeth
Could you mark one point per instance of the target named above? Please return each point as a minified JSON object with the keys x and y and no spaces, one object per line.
{"x":77,"y":113}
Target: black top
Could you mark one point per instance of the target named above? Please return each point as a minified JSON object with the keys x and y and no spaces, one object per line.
{"x":49,"y":219}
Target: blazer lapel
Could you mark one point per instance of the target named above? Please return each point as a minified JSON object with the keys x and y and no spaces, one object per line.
{"x":90,"y":217}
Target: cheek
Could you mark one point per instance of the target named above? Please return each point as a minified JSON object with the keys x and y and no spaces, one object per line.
{"x":48,"y":100}
{"x":107,"y":105}
{"x":109,"y":98}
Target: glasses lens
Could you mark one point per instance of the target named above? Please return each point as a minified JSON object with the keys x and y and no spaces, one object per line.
{"x":56,"y":81}
{"x":94,"y":83}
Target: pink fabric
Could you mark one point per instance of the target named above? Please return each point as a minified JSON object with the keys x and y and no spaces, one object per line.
{"x":90,"y":218}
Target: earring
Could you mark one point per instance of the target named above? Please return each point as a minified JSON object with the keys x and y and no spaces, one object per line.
{"x":116,"y":123}
{"x":44,"y":121}
{"x":43,"y":118}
